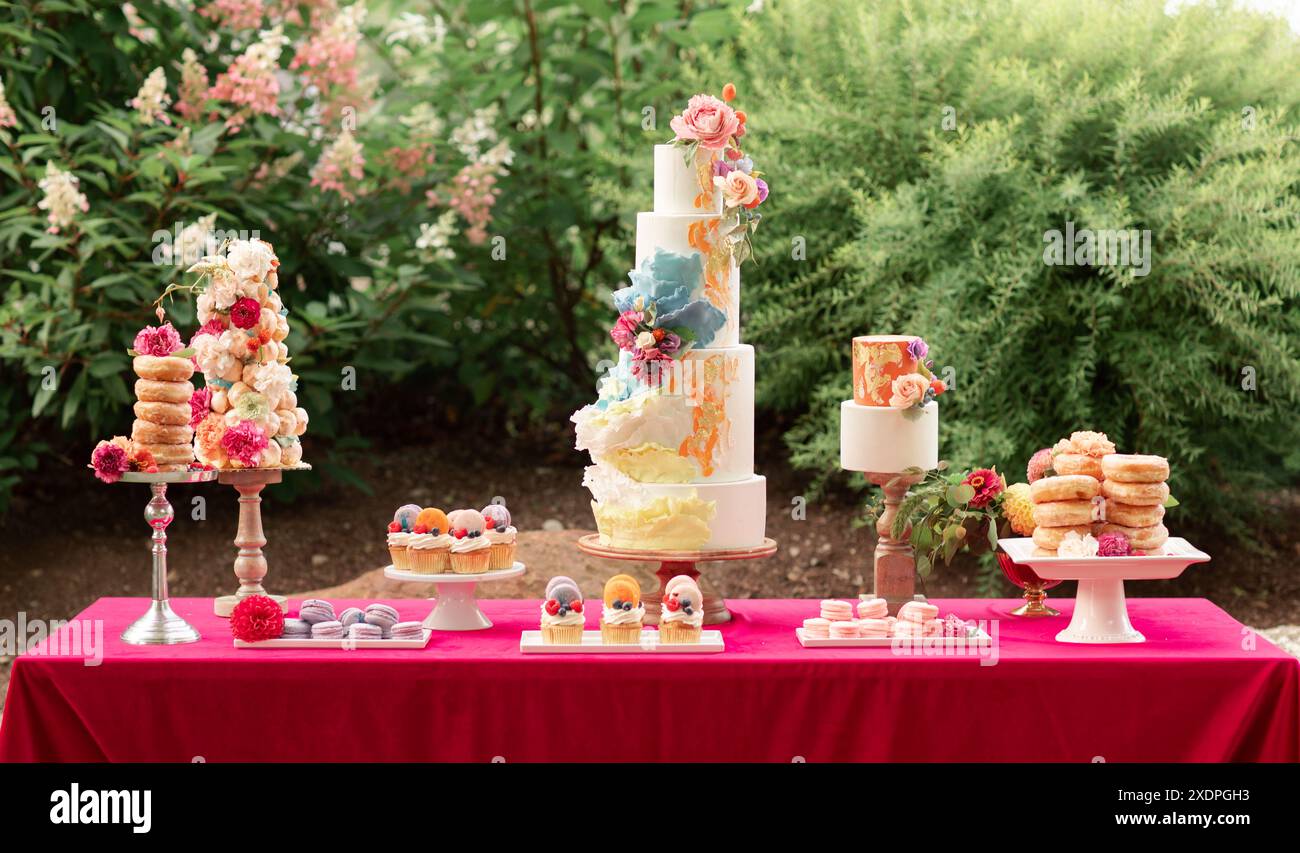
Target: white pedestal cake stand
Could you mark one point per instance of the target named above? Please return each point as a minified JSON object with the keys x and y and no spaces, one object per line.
{"x":455,"y":607}
{"x":1100,"y":609}
{"x":160,"y":626}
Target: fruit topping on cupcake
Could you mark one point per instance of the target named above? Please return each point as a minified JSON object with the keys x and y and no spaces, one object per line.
{"x":406,"y":516}
{"x":433,"y":520}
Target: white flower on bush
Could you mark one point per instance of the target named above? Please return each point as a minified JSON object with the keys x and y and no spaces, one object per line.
{"x":423,"y":121}
{"x":192,"y":242}
{"x":62,"y":198}
{"x":499,"y":155}
{"x":437,"y":237}
{"x":250,"y":260}
{"x":475,"y":132}
{"x":151,"y":102}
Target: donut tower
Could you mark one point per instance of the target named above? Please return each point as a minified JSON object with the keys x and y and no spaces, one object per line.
{"x":163,"y":392}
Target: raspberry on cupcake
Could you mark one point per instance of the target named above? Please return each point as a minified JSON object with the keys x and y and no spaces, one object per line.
{"x":563,"y":616}
{"x":471,"y":552}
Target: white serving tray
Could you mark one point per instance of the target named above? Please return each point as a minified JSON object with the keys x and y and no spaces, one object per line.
{"x":530,"y":643}
{"x":1177,"y":555}
{"x":344,"y":643}
{"x":981,"y":639}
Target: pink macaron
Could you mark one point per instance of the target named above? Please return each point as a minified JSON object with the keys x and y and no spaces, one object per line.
{"x":875,"y":627}
{"x":836,"y":610}
{"x":817,"y":628}
{"x":873,"y":608}
{"x":917,"y":611}
{"x":844,"y":630}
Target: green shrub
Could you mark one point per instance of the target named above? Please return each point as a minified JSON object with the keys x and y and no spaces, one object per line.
{"x":1112,"y":116}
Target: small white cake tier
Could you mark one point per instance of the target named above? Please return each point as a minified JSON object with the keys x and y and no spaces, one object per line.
{"x":883,"y":440}
{"x":677,"y":184}
{"x":673,"y":516}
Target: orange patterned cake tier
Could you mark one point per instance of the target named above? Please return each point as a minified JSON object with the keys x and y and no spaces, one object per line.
{"x":877,"y":361}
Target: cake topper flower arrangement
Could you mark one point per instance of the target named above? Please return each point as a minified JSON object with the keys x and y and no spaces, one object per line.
{"x":916,"y":390}
{"x":709,"y":131}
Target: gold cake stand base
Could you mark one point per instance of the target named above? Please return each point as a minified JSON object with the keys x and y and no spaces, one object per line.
{"x":673,"y":563}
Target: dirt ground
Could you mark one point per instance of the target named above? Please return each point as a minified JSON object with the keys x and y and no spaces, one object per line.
{"x":73,"y":540}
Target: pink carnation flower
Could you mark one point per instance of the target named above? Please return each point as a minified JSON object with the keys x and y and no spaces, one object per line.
{"x":1113,"y":545}
{"x":1039,"y":464}
{"x":161,"y":341}
{"x":109,"y":461}
{"x":215,"y":326}
{"x":200,"y":405}
{"x":244,"y":442}
{"x":624,"y":331}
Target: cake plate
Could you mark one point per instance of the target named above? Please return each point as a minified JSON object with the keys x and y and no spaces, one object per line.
{"x":250,"y":563}
{"x":455,"y":607}
{"x":673,"y":563}
{"x":1100,"y":609}
{"x":160,"y":626}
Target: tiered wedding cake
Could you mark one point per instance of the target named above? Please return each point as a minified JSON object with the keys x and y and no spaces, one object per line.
{"x":671,"y":436}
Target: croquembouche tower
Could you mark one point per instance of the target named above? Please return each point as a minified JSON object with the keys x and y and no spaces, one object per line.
{"x":671,"y":436}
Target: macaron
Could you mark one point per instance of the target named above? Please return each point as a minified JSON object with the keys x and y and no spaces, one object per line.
{"x":351,"y":616}
{"x":315,"y":610}
{"x":434,"y":520}
{"x":329,"y":630}
{"x":556,"y":581}
{"x":917,"y":611}
{"x":407,"y":631}
{"x":498,"y":513}
{"x":875,"y":627}
{"x":406,"y":516}
{"x":383,"y":616}
{"x":363,"y":631}
{"x":873,"y":608}
{"x":844,"y":630}
{"x":296,"y":628}
{"x":836,"y":610}
{"x":817,"y":628}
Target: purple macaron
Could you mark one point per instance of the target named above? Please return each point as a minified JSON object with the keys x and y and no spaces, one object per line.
{"x":329,"y":630}
{"x":407,"y":631}
{"x":315,"y":610}
{"x":383,"y":616}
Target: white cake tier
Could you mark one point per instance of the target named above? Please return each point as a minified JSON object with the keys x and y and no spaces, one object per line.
{"x":720,"y":282}
{"x":687,"y":421}
{"x":887,"y":441}
{"x":677,"y":184}
{"x":685,"y":517}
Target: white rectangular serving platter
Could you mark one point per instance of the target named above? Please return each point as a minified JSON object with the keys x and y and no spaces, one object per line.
{"x":980,"y":639}
{"x":343,"y":643}
{"x":530,"y":643}
{"x":1177,"y":555}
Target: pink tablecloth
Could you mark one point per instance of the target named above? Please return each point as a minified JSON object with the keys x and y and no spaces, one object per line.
{"x":1200,"y":689}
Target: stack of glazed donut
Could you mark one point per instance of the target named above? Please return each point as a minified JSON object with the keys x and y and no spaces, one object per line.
{"x":162,"y":409}
{"x":1135,"y":491}
{"x":1126,"y":494}
{"x":1062,"y":504}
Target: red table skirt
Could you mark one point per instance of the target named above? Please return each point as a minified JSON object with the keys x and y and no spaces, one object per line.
{"x":1201,"y":689}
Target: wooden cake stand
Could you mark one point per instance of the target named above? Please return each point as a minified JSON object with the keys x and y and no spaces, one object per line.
{"x":250,"y":563}
{"x":673,"y":563}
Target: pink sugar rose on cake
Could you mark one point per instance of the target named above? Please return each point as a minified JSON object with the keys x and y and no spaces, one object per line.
{"x":908,"y":390}
{"x":708,"y":121}
{"x":738,"y":188}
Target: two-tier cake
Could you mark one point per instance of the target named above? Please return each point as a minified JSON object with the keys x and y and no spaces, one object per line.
{"x":671,"y":436}
{"x":892,"y":422}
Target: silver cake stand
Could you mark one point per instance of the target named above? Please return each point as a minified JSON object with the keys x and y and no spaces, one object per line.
{"x":160,"y":626}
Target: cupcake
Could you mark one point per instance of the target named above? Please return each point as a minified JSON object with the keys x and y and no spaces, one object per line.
{"x":621,"y":617}
{"x":502,"y":536}
{"x":682,"y":616}
{"x":429,"y":549}
{"x":471,"y":551}
{"x":399,"y":535}
{"x":562,"y":613}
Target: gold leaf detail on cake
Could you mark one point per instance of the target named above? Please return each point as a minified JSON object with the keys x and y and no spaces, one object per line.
{"x":873,"y":375}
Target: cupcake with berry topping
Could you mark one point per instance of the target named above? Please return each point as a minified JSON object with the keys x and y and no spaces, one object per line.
{"x":502,"y":536}
{"x":399,"y":536}
{"x":471,"y":552}
{"x":428,"y":550}
{"x":681,"y":619}
{"x":623,"y":613}
{"x":562,"y":613}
